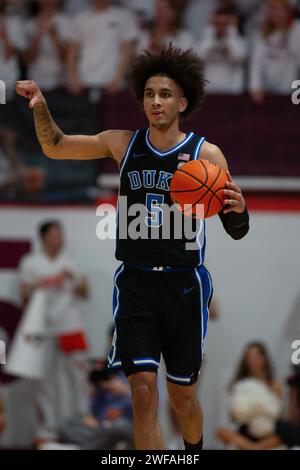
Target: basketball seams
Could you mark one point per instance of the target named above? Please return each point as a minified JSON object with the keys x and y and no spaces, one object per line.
{"x":209,"y":190}
{"x":202,"y":185}
{"x":209,"y":193}
{"x":212,"y":195}
{"x":198,"y":181}
{"x":205,"y":170}
{"x":219,"y":189}
{"x":194,"y":178}
{"x":208,"y":205}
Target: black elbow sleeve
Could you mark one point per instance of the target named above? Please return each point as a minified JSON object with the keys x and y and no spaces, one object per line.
{"x":236,"y":225}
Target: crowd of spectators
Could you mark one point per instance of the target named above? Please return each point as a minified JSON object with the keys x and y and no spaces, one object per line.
{"x":90,"y":43}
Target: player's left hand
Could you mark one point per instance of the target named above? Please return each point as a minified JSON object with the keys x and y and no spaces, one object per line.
{"x":234,"y":197}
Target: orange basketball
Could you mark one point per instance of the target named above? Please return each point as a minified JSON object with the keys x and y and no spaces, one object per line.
{"x":199,"y":182}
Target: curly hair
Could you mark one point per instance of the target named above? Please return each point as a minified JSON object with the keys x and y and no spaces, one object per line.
{"x":182,"y":66}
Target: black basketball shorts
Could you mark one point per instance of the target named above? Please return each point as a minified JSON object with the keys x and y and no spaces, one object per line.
{"x":160,"y":313}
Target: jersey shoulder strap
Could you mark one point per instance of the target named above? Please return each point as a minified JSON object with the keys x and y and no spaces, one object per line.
{"x":128,"y":151}
{"x":200,"y":141}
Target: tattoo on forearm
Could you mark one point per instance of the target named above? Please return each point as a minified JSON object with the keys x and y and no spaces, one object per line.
{"x":47,"y":131}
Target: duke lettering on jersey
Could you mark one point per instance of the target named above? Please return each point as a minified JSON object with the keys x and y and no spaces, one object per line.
{"x":145,"y":178}
{"x":149,"y":180}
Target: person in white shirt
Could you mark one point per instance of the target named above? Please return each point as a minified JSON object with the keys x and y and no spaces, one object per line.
{"x":144,"y":9}
{"x":167,"y":27}
{"x":102,"y":47}
{"x":48,"y":35}
{"x":224,"y":53}
{"x":11,"y":45}
{"x":11,"y":42}
{"x":54,"y":274}
{"x":197,"y":15}
{"x":275,"y":59}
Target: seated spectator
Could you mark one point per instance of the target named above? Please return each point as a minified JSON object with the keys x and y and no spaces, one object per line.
{"x":224,"y":52}
{"x":102,"y":47}
{"x":110,"y":421}
{"x":275,"y":60}
{"x":166,"y":28}
{"x":255,"y":364}
{"x":111,"y":398}
{"x":47,"y":37}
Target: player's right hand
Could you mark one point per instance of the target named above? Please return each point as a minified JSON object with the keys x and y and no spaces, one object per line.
{"x":30,"y":90}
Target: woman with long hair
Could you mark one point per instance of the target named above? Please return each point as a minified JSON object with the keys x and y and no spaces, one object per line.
{"x":255,"y":364}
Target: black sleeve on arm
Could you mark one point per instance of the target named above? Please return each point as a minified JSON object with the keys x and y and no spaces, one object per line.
{"x":236,"y":225}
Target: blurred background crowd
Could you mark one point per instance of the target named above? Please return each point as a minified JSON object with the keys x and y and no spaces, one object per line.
{"x":58,"y":393}
{"x":79,"y":52}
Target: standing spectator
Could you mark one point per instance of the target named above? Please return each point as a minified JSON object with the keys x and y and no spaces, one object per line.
{"x":144,"y":9}
{"x":254,"y":364}
{"x":54,"y":273}
{"x":11,"y":44}
{"x":197,"y":15}
{"x":275,"y":61}
{"x":252,"y":15}
{"x":224,"y":53}
{"x":102,"y":47}
{"x":167,"y":27}
{"x":48,"y":35}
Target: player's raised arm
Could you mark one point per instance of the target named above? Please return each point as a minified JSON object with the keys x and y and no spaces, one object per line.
{"x":56,"y":144}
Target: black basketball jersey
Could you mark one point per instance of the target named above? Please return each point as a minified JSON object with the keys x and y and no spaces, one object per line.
{"x":148,"y":233}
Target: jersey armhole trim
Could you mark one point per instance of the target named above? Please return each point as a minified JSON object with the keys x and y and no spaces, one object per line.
{"x":198,"y":148}
{"x":128,"y":150}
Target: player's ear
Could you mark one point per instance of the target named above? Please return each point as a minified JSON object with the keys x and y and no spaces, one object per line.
{"x":183,"y":104}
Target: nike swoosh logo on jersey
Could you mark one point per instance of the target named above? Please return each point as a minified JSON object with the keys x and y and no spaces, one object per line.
{"x":138,"y":155}
{"x":187,"y":291}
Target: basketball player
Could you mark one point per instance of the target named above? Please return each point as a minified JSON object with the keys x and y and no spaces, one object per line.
{"x":162,"y":291}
